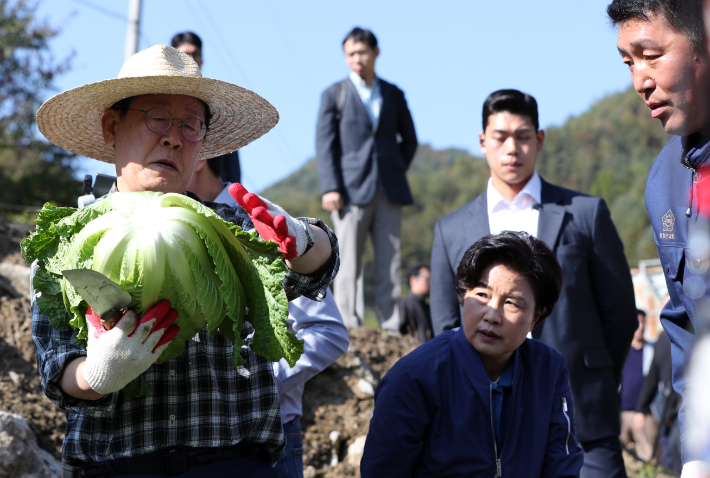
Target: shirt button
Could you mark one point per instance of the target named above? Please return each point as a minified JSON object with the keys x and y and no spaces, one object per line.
{"x":696,"y":263}
{"x":172,"y":373}
{"x":172,"y":418}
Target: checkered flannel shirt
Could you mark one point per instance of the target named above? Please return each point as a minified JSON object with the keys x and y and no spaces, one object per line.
{"x":199,"y":399}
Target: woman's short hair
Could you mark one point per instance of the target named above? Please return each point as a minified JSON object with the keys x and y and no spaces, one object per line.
{"x":519,"y":251}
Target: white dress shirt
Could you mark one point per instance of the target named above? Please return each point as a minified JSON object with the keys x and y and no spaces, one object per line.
{"x":519,"y":214}
{"x":371,"y":96}
{"x":325,"y":338}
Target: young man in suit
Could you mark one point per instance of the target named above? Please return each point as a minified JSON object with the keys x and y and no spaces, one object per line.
{"x":595,"y":317}
{"x":362,"y":165}
{"x":663,"y":44}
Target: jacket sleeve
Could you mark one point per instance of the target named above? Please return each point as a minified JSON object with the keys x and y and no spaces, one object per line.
{"x":328,"y":144}
{"x":445,"y":312}
{"x":397,"y":427}
{"x":612,"y":288}
{"x":405,"y":127}
{"x":325,"y":338}
{"x":563,"y":455}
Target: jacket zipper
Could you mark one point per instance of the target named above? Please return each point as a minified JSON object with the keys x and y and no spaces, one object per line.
{"x":569,"y":424}
{"x":685,"y":164}
{"x":499,"y":468}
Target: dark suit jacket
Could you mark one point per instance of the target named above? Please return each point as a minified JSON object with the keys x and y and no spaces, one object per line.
{"x":594,"y":320}
{"x":352,"y":153}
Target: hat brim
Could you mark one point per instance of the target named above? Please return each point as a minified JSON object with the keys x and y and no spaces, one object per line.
{"x":72,"y":119}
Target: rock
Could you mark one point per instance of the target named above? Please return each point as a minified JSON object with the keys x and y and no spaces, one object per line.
{"x":20,"y":455}
{"x":356,"y":450}
{"x":15,"y":377}
{"x":365,"y":387}
{"x":334,"y":438}
{"x":15,"y":279}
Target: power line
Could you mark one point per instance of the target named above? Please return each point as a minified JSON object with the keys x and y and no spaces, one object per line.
{"x":101,"y":9}
{"x":141,"y":34}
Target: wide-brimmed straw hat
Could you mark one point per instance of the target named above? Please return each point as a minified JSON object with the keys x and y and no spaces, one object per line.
{"x":72,"y":119}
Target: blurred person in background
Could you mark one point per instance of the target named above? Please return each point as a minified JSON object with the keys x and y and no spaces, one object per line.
{"x":190,"y":43}
{"x":632,"y":380}
{"x":365,"y":141}
{"x":659,"y":382}
{"x":414,"y":313}
{"x":663,"y":44}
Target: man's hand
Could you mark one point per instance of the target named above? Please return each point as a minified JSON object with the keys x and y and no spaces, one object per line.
{"x":273,"y":223}
{"x":332,"y":201}
{"x":117,"y":356}
{"x":640,"y":421}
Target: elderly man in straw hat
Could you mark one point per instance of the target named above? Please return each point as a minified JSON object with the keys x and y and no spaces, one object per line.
{"x":154,"y":122}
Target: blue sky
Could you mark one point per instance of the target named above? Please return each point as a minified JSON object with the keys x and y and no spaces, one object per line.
{"x":447,"y":56}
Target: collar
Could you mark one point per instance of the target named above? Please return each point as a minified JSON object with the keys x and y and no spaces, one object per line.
{"x":224,"y":197}
{"x":694,"y":152}
{"x":469,"y":361}
{"x":360,"y":83}
{"x":532,"y":189}
{"x":506,"y":378}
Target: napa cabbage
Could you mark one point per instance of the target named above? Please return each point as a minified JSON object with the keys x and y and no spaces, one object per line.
{"x":165,"y":246}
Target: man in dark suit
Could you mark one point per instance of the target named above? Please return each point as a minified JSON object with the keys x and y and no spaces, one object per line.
{"x":362,"y":167}
{"x":595,"y":318}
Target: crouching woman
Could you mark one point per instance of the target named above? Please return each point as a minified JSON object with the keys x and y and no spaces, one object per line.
{"x":482,"y":400}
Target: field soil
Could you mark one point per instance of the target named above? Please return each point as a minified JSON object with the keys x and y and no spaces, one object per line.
{"x":337,"y":400}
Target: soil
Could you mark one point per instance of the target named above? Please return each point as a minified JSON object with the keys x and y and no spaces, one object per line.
{"x":334,"y":400}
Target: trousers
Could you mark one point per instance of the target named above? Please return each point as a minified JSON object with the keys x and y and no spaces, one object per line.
{"x":290,"y":465}
{"x":603,"y":459}
{"x":382,"y":220}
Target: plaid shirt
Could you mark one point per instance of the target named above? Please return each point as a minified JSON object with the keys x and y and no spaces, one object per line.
{"x":199,"y":399}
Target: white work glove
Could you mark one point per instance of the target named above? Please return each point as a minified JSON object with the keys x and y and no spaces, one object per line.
{"x":696,"y":469}
{"x":294,"y":236}
{"x":117,"y":356}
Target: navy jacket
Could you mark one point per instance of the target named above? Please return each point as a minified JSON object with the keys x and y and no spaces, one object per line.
{"x":667,"y":200}
{"x":432,"y":415}
{"x":352,"y":154}
{"x":594,"y":320}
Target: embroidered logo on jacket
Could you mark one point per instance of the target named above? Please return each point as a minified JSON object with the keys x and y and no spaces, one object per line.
{"x":668,"y":221}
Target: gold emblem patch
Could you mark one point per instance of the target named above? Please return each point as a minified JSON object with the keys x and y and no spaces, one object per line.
{"x":668,"y":222}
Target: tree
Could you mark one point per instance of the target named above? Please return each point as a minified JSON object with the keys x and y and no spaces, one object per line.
{"x":32,"y":171}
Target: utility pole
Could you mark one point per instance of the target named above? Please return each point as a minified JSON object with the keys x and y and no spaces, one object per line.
{"x":134,"y":24}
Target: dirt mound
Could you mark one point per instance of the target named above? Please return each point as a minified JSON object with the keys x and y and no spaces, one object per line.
{"x":334,"y":401}
{"x":11,"y":234}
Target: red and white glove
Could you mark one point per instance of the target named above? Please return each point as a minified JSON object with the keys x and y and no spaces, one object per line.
{"x":117,"y":356}
{"x":293,"y":236}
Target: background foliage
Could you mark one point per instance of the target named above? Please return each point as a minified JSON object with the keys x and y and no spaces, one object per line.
{"x":607,"y":151}
{"x":32,"y":171}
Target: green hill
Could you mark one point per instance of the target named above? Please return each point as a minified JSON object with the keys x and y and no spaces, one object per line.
{"x":606,"y":151}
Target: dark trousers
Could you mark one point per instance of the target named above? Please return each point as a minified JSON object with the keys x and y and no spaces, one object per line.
{"x":237,"y":468}
{"x":670,"y":446}
{"x":291,"y":463}
{"x":603,"y":459}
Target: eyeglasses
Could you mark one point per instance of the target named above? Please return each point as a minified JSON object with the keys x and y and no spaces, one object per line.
{"x":423,"y":277}
{"x":159,"y":121}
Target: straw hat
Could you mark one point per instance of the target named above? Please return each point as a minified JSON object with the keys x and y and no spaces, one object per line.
{"x":72,"y":119}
